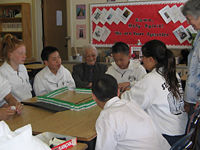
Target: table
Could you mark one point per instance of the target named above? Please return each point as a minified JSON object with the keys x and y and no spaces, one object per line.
{"x":35,"y":66}
{"x":80,"y":124}
{"x":74,"y":123}
{"x":29,"y":115}
{"x":79,"y":146}
{"x":33,"y":114}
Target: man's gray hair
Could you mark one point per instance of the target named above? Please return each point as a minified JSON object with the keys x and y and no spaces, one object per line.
{"x":192,"y":7}
{"x":89,"y":46}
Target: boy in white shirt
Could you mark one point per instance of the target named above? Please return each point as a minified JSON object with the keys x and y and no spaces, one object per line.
{"x":122,"y":125}
{"x":54,"y":75}
{"x":125,"y":70}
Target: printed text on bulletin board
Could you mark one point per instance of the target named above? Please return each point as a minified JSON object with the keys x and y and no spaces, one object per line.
{"x":128,"y":22}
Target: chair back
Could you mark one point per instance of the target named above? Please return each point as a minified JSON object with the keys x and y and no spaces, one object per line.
{"x":194,"y":117}
{"x":185,"y":142}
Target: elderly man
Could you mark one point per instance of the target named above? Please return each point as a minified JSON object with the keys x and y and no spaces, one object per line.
{"x":192,"y":12}
{"x":85,"y":73}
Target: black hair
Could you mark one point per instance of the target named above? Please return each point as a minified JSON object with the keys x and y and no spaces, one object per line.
{"x":165,"y":60}
{"x":120,"y":47}
{"x":105,"y":87}
{"x":47,"y":51}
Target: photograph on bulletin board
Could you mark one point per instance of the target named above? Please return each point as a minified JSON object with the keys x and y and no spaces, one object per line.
{"x":80,"y":12}
{"x":128,"y":22}
{"x":81,"y":31}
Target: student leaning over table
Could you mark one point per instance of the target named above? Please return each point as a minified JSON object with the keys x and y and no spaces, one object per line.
{"x":13,"y":68}
{"x":122,"y":124}
{"x":7,"y":100}
{"x":126,"y":71}
{"x":54,"y":75}
{"x":159,"y":93}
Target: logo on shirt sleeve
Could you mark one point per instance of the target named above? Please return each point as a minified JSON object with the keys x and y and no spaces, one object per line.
{"x":176,"y":105}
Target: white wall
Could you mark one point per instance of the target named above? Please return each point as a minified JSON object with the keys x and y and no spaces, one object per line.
{"x":71,"y":22}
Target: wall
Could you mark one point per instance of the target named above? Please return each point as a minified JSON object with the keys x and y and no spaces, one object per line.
{"x":37,"y":28}
{"x":15,"y":1}
{"x":71,"y":14}
{"x":36,"y":19}
{"x":71,"y":22}
{"x":82,"y":21}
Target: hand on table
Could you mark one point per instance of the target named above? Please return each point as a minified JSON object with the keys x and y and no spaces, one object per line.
{"x":13,"y":102}
{"x":19,"y":107}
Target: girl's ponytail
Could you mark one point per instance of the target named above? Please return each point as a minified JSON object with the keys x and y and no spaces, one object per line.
{"x":9,"y":44}
{"x":165,"y":63}
{"x":169,"y":74}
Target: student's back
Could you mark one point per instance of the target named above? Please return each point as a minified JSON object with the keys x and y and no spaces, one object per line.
{"x":127,"y":127}
{"x":122,"y":124}
{"x":160,"y":93}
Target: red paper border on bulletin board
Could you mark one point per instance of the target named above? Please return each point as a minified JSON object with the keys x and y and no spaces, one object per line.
{"x":145,"y":24}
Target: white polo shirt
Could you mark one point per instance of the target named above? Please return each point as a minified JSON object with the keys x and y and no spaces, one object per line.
{"x":19,"y":81}
{"x":123,"y":125}
{"x":153,"y":95}
{"x":45,"y":81}
{"x":5,"y":89}
{"x":133,"y":73}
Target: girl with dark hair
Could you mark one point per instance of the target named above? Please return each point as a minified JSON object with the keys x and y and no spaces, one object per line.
{"x":159,"y":93}
{"x":163,"y":58}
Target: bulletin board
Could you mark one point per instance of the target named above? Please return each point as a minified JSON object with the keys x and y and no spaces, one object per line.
{"x":144,"y":21}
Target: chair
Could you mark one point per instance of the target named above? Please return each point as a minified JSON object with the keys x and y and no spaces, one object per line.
{"x":32,"y":73}
{"x":194,"y":117}
{"x":187,"y":142}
